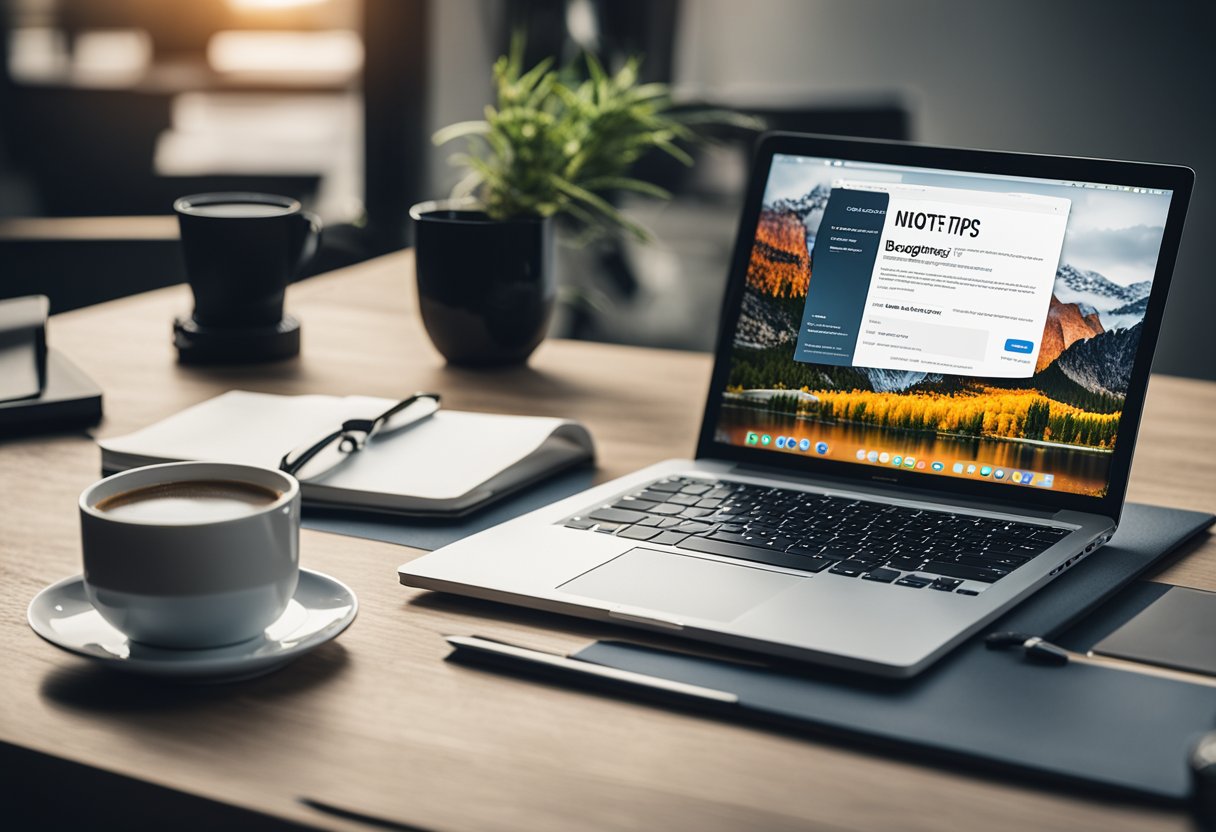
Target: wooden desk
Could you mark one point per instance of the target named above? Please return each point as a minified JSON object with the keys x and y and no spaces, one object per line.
{"x":377,"y":721}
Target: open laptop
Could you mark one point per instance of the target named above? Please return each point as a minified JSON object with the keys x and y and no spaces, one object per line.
{"x":930,"y":370}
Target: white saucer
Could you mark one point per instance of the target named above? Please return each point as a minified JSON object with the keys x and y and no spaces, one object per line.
{"x":321,"y":609}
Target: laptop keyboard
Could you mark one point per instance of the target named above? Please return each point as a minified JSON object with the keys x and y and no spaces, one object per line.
{"x":811,"y":532}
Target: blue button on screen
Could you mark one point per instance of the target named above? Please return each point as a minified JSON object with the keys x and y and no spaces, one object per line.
{"x":1017,"y":345}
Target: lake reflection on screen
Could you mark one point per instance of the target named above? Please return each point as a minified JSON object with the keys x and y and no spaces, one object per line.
{"x":1074,"y":470}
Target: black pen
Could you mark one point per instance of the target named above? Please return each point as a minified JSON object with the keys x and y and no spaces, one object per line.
{"x":554,"y":665}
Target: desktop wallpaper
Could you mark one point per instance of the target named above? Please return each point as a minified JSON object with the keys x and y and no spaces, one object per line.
{"x":1055,"y":429}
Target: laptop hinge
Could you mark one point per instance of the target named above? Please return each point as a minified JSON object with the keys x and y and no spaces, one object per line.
{"x":901,"y":491}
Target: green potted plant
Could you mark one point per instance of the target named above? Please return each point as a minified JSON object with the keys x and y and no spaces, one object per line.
{"x":551,"y":146}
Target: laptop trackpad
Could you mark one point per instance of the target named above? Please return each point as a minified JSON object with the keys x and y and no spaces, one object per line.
{"x":680,"y":585}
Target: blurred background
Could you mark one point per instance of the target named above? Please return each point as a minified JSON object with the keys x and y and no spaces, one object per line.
{"x":109,"y":109}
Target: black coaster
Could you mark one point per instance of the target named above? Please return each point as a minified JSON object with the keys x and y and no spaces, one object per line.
{"x":206,"y":345}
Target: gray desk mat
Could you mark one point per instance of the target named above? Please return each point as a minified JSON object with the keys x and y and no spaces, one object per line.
{"x":1078,"y":724}
{"x":432,"y":534}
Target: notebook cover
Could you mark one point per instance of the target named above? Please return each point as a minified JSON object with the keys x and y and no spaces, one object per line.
{"x":23,"y":347}
{"x":1078,"y":724}
{"x":70,"y":399}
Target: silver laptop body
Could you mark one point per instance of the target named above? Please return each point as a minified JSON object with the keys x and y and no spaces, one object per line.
{"x":618,"y":552}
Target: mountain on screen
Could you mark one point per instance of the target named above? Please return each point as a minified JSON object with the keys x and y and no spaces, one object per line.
{"x":816,"y":199}
{"x":764,"y":322}
{"x":1103,"y":364}
{"x":780,"y":265}
{"x":891,"y":381}
{"x":1127,"y":315}
{"x":1083,"y":286}
{"x":1065,"y":326}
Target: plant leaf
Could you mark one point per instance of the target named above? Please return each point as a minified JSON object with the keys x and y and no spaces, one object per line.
{"x":461,"y":128}
{"x":598,"y":77}
{"x":468,"y":184}
{"x":600,"y":204}
{"x":533,"y":76}
{"x":673,"y":151}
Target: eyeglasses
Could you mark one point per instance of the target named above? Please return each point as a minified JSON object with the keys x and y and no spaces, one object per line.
{"x":327,"y":453}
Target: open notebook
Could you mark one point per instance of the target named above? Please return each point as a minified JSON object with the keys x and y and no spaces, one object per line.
{"x":445,"y":464}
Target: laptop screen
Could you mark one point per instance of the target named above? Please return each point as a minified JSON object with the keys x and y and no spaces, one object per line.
{"x":956,"y":324}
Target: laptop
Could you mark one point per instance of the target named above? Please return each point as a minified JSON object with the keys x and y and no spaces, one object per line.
{"x":929,"y":374}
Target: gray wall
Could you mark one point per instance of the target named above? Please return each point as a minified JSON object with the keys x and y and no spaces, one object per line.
{"x":464,"y":44}
{"x":1098,"y":78}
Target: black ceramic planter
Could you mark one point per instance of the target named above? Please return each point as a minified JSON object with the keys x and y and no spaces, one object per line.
{"x":485,"y":287}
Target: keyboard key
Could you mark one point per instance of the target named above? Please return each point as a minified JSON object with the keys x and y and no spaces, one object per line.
{"x":913,"y":581}
{"x":735,"y":537}
{"x":607,"y":528}
{"x":837,"y":553}
{"x":694,"y":527}
{"x":617,"y":515}
{"x":1006,"y":548}
{"x":871,"y":561}
{"x":634,"y":504}
{"x":751,"y":553}
{"x":815,"y":564}
{"x":882,"y":575}
{"x":668,"y":509}
{"x":653,"y":496}
{"x":849,"y":568}
{"x":965,"y":592}
{"x":958,"y":570}
{"x":945,"y":584}
{"x":579,"y":523}
{"x":806,"y":551}
{"x":667,"y":487}
{"x":1009,"y":562}
{"x":669,"y":538}
{"x":683,"y":499}
{"x":638,"y":532}
{"x":697,"y":490}
{"x":974,"y":560}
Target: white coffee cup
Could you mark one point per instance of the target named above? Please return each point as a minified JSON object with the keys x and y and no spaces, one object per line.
{"x":191,"y":578}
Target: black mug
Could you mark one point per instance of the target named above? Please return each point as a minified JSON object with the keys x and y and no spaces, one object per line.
{"x":486,"y":288}
{"x":241,"y":252}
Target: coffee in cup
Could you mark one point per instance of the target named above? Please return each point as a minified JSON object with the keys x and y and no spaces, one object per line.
{"x":191,"y":554}
{"x":188,"y":501}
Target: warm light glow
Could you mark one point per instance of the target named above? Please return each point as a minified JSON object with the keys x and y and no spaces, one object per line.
{"x":270,"y":5}
{"x":333,"y":54}
{"x":103,"y":58}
